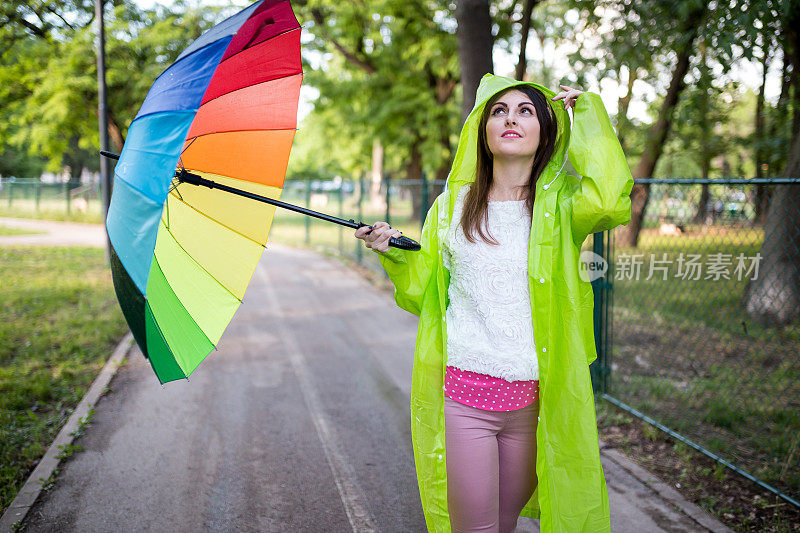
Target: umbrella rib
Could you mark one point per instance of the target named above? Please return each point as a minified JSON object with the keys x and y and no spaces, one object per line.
{"x":236,"y":131}
{"x":180,"y":157}
{"x":199,"y":265}
{"x":190,"y":206}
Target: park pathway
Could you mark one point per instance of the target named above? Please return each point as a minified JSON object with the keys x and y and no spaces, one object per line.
{"x":52,"y":233}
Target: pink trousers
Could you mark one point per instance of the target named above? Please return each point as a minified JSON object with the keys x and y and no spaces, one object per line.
{"x":491,"y":465}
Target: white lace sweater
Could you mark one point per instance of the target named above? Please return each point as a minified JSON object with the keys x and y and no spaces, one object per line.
{"x":489,"y":323}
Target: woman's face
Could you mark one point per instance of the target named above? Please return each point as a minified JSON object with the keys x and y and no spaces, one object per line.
{"x":513,"y":112}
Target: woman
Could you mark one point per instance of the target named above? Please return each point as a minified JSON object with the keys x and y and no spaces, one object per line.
{"x":546,"y":442}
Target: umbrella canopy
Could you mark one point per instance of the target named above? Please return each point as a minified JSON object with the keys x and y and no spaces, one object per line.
{"x":182,"y":256}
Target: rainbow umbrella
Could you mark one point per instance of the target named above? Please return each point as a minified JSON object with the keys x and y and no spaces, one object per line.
{"x":182,"y":255}
{"x":198,"y":180}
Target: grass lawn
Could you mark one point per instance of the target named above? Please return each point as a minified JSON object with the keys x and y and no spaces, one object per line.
{"x":59,"y":322}
{"x":687,"y":354}
{"x":51,"y":210}
{"x":6,"y":231}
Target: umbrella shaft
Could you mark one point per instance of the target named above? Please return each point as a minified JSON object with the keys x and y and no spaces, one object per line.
{"x":194,"y":179}
{"x":402,"y":242}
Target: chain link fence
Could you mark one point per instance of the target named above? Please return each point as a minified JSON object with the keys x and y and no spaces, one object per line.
{"x":24,"y":197}
{"x":705,"y":310}
{"x":398,"y":202}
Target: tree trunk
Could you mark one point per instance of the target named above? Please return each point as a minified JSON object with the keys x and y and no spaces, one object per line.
{"x":74,"y":159}
{"x":444,"y":170}
{"x":474,"y":35}
{"x":115,"y":133}
{"x":702,"y":206}
{"x":624,"y":102}
{"x":377,"y":201}
{"x":773,"y":297}
{"x":522,"y":61}
{"x":413,"y":171}
{"x":759,"y":206}
{"x":628,"y":235}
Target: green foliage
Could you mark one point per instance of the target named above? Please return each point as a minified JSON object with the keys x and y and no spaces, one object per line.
{"x":48,"y":84}
{"x":389,"y":73}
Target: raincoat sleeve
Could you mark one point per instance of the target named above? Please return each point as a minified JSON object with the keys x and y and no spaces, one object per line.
{"x":601,"y":200}
{"x":410,"y":272}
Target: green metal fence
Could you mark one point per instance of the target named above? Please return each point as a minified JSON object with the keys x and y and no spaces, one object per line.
{"x":32,"y":197}
{"x":390,"y":200}
{"x":705,"y":312}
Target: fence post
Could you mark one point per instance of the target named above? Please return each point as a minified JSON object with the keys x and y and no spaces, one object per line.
{"x":66,"y":195}
{"x":388,"y":197}
{"x":600,"y":367}
{"x":307,"y":219}
{"x":37,"y":195}
{"x":10,"y":194}
{"x":341,"y":215}
{"x":360,"y":214}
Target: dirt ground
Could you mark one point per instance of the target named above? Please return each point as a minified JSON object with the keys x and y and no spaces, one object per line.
{"x":734,"y":500}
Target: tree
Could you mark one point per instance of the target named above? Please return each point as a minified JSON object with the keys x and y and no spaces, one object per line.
{"x":690,"y":17}
{"x":773,"y":298}
{"x":48,"y":78}
{"x":474,"y":48}
{"x":699,"y":119}
{"x":390,"y":75}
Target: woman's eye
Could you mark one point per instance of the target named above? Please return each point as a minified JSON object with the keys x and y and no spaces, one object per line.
{"x":496,"y":110}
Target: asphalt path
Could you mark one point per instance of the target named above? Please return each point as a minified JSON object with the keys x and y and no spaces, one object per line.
{"x":298,"y":422}
{"x":238,"y":446}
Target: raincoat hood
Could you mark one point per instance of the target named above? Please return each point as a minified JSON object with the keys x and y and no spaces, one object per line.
{"x":571,"y":495}
{"x":465,"y":161}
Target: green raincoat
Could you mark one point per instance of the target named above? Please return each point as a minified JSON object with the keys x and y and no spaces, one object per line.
{"x":571,"y":496}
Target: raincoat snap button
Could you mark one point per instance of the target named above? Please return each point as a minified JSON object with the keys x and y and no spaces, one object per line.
{"x":541,"y":280}
{"x":547,"y":215}
{"x":545,"y":187}
{"x":544,"y":349}
{"x":440,"y":457}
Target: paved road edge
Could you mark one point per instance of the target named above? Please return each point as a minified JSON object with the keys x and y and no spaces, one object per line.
{"x":30,"y":491}
{"x":664,"y":491}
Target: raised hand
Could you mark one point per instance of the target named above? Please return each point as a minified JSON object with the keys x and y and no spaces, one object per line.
{"x":569,"y":95}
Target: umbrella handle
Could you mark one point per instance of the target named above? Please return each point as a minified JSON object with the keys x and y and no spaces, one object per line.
{"x":402,"y":242}
{"x":405,"y":243}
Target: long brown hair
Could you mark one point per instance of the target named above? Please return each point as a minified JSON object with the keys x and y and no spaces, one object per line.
{"x":475,"y":215}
